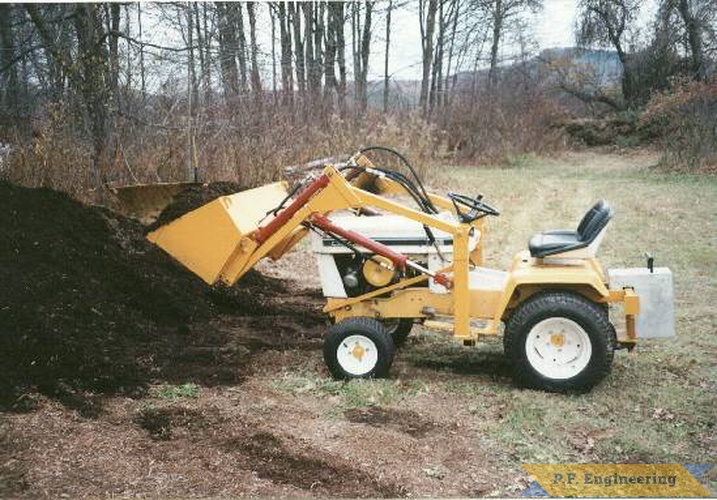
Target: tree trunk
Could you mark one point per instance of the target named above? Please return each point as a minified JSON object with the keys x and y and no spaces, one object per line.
{"x":192,"y":96}
{"x":340,"y":53}
{"x":298,"y":47}
{"x":200,"y":50}
{"x":694,"y":38}
{"x":255,"y":78}
{"x":93,"y":65}
{"x":227,"y":53}
{"x":356,"y":51}
{"x":241,"y":44}
{"x":385,"y":60}
{"x":437,"y":73}
{"x":365,"y":53}
{"x":497,"y":33}
{"x":308,"y":11}
{"x":114,"y":41}
{"x":318,"y":56}
{"x":330,"y":58}
{"x":141,"y":54}
{"x":455,"y":9}
{"x":287,"y":81}
{"x":207,"y":69}
{"x":9,"y":91}
{"x":428,"y":26}
{"x":273,"y":52}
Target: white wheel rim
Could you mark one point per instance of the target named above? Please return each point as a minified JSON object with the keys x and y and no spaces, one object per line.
{"x":558,"y":348}
{"x":357,"y":355}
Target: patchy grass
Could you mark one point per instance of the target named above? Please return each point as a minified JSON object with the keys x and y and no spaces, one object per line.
{"x":346,"y":395}
{"x":658,"y":404}
{"x":449,"y":422}
{"x":171,"y":392}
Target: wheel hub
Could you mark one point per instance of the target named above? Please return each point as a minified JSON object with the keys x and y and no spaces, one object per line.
{"x":557,"y":339}
{"x":358,"y":351}
{"x":558,"y":348}
{"x":357,"y":355}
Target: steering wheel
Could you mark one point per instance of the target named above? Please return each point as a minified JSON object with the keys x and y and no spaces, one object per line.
{"x":477,"y":208}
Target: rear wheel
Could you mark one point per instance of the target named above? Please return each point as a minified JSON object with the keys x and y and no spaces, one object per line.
{"x":399,"y":329}
{"x":358,"y":348}
{"x":559,"y":341}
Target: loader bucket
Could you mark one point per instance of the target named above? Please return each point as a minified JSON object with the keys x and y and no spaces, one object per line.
{"x":205,"y":240}
{"x":145,"y":202}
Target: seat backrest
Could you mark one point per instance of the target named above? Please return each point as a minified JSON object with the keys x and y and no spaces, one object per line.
{"x":590,"y":214}
{"x":591,"y":229}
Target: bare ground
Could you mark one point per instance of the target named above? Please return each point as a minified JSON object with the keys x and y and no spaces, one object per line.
{"x":448,"y":422}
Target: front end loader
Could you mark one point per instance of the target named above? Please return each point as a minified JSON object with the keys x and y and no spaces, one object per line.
{"x":385,"y":265}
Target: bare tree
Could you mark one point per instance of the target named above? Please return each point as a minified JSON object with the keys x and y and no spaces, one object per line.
{"x":298,"y":47}
{"x":501,"y":12}
{"x":89,"y":74}
{"x":699,"y":18}
{"x":607,"y":22}
{"x":9,"y":84}
{"x":339,"y":21}
{"x":427,"y":16}
{"x":255,"y":78}
{"x":330,"y":41}
{"x":385,"y":61}
{"x":361,"y":40}
{"x":273,"y":50}
{"x":287,"y":80}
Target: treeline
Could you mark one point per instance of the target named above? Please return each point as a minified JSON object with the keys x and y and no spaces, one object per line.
{"x":102,"y":93}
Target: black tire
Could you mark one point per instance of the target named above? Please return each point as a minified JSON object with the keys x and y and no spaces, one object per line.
{"x":369,"y":328}
{"x":399,"y":329}
{"x":591,"y":318}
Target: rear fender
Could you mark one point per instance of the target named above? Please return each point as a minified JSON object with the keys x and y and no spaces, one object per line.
{"x":529,"y":276}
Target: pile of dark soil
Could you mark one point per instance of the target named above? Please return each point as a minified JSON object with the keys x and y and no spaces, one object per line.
{"x":194,"y":197}
{"x":87,"y":304}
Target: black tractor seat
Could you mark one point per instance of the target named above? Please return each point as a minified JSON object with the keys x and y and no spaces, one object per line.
{"x":564,"y":240}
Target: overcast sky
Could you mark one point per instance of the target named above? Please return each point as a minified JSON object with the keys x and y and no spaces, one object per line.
{"x":553,"y":26}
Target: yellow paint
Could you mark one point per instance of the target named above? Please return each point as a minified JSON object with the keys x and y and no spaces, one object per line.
{"x":215,"y":242}
{"x":379,"y":271}
{"x":358,"y":352}
{"x":285,"y":245}
{"x":632,"y":302}
{"x":557,"y":339}
{"x":461,"y":289}
{"x":205,"y":239}
{"x":616,"y":480}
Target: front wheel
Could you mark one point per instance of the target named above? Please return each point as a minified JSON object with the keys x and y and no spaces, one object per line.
{"x":559,"y":341}
{"x":358,"y":348}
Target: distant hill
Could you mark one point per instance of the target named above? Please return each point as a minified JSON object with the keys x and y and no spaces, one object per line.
{"x":603,"y":66}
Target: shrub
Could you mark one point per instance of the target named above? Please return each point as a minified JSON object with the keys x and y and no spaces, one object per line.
{"x":685,"y":117}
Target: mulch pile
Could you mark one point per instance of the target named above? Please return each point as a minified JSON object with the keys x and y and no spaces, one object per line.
{"x":87,"y":304}
{"x":194,"y":197}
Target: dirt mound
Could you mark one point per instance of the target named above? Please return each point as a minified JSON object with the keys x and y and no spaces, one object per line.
{"x":194,"y":197}
{"x":87,"y":304}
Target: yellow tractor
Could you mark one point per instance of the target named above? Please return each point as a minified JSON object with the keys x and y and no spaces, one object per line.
{"x":385,"y":265}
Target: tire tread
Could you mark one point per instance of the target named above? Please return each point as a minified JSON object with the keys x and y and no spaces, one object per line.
{"x":372,"y":329}
{"x":590,"y":315}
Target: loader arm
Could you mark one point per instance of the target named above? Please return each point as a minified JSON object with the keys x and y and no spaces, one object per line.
{"x":220,"y":243}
